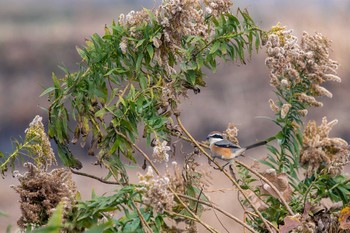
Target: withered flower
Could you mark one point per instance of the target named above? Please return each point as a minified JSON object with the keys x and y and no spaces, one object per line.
{"x":40,"y":192}
{"x":280,"y":181}
{"x":231,"y":133}
{"x":307,"y":62}
{"x":160,"y":151}
{"x":156,"y":191}
{"x":322,"y":152}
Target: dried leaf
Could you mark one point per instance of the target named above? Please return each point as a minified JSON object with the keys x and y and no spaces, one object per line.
{"x":290,"y":223}
{"x":280,"y":181}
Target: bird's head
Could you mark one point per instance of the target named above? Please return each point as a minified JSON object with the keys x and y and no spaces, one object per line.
{"x":214,"y":137}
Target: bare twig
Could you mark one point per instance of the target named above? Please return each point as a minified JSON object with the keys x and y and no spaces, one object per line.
{"x":220,"y":190}
{"x":145,"y":226}
{"x":96,"y":178}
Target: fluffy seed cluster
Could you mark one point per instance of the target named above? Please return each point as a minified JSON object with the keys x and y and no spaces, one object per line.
{"x":322,"y":152}
{"x":160,"y":151}
{"x":39,"y":144}
{"x":305,"y":65}
{"x":181,"y":18}
{"x":231,"y":133}
{"x":156,"y":191}
{"x":217,"y":7}
{"x":40,"y":192}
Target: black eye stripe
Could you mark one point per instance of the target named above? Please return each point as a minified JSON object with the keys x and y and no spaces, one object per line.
{"x":216,"y":136}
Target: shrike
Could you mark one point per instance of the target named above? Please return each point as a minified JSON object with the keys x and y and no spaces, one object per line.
{"x":226,"y":150}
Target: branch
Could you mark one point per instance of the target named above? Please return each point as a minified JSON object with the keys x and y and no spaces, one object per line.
{"x":11,"y":157}
{"x":226,"y":174}
{"x":96,"y":178}
{"x":147,"y":228}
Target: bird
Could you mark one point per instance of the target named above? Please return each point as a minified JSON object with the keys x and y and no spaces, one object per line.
{"x":226,"y":150}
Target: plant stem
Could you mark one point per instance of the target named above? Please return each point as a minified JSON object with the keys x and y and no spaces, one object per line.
{"x":96,"y":178}
{"x":14,"y":154}
{"x":145,"y":226}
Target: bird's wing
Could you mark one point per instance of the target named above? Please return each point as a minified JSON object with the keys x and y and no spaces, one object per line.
{"x":225,"y":144}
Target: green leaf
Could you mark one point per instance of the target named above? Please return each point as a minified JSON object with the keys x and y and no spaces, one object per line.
{"x":56,"y":82}
{"x":268,"y":164}
{"x":143,"y":81}
{"x":215,"y":47}
{"x":67,"y":157}
{"x":100,"y":113}
{"x":54,"y":224}
{"x":273,"y":150}
{"x":199,"y":62}
{"x":150,"y":50}
{"x":223,"y":48}
{"x":99,"y":228}
{"x":47,"y":90}
{"x":133,"y":226}
{"x":116,"y":70}
{"x":138,"y":62}
{"x":115,"y":145}
{"x":139,"y":43}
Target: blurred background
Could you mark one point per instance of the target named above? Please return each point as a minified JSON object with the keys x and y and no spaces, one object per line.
{"x":38,"y":36}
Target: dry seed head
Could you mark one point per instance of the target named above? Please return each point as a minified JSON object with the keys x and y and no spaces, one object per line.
{"x":309,"y":100}
{"x":123,"y":45}
{"x":217,"y":7}
{"x":285,"y":109}
{"x":323,"y":91}
{"x":231,"y":133}
{"x":40,"y":192}
{"x":322,"y":152}
{"x":303,"y":112}
{"x":273,"y":106}
{"x":156,"y":191}
{"x":291,"y":63}
{"x":160,"y":151}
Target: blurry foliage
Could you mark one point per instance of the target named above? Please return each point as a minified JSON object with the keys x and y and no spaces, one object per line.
{"x":129,"y":85}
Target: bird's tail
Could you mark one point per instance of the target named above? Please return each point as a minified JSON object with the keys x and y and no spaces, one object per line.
{"x":256,"y":144}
